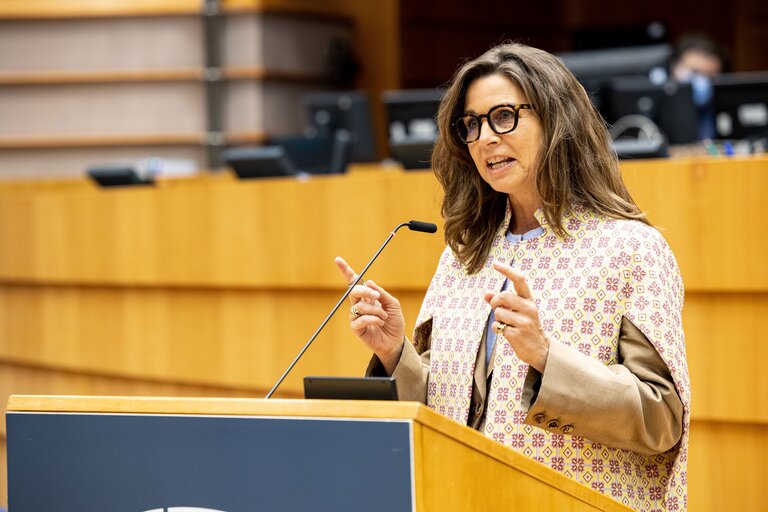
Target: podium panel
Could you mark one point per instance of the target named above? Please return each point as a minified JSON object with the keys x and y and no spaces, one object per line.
{"x":135,"y":463}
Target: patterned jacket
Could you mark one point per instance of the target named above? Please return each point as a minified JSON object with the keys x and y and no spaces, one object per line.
{"x":583,"y":284}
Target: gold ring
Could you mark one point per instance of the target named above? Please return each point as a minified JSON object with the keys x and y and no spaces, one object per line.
{"x":500,"y":328}
{"x":355,"y":313}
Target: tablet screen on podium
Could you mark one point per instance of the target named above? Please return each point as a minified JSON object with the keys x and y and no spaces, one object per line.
{"x":350,"y":388}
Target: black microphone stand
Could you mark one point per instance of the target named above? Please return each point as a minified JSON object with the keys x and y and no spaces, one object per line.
{"x":338,"y":304}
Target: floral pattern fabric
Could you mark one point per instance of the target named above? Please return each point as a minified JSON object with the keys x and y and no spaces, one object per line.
{"x":583,"y":284}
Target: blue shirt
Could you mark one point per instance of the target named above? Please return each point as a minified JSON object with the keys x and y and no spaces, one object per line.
{"x":490,"y":334}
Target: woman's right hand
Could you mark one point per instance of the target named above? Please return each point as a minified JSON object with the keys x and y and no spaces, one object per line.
{"x":376,"y":318}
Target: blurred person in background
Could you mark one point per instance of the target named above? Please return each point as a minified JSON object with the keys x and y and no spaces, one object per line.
{"x":695,"y":60}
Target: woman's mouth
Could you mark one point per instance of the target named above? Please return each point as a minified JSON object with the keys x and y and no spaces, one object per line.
{"x":497,"y":164}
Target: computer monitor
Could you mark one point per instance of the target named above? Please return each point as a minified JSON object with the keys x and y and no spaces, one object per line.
{"x":594,"y":68}
{"x":411,"y":116}
{"x":259,"y":162}
{"x":740,"y":104}
{"x":319,"y":154}
{"x":669,"y":105}
{"x":592,"y":37}
{"x":117,"y":175}
{"x":331,"y":112}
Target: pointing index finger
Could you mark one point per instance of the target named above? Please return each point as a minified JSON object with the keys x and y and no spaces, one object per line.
{"x":349,"y":273}
{"x":517,"y":279}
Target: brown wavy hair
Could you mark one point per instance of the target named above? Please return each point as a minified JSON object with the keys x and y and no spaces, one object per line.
{"x":576,"y":163}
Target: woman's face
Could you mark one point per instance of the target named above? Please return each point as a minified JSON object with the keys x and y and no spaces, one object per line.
{"x":506,"y":162}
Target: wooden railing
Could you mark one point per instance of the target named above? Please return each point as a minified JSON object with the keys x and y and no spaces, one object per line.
{"x":211,"y":285}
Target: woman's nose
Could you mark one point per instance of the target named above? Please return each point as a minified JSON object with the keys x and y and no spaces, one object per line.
{"x":486,"y":132}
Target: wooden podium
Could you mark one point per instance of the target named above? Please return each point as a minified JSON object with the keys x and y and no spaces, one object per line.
{"x":169,"y":454}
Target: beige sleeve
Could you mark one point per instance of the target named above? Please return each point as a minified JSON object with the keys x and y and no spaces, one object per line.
{"x":411,"y":373}
{"x":631,"y":405}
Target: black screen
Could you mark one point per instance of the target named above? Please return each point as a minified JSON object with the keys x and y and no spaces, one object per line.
{"x":329,"y":113}
{"x":740,"y":104}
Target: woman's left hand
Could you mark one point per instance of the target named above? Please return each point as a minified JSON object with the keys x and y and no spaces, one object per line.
{"x":516,"y":313}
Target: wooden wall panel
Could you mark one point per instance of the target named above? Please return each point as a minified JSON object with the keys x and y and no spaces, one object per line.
{"x":216,"y":284}
{"x":437,"y":36}
{"x":751,"y":35}
{"x":101,"y":45}
{"x":103,"y":109}
{"x":709,"y":211}
{"x":224,"y":338}
{"x":234,"y":229}
{"x":726,"y":355}
{"x":22,"y":9}
{"x":726,"y":468}
{"x":144,"y":236}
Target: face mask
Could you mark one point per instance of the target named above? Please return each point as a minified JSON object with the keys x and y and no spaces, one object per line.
{"x":702,"y":89}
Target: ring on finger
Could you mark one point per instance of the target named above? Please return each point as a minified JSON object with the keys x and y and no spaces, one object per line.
{"x":500,"y":328}
{"x":355,"y":313}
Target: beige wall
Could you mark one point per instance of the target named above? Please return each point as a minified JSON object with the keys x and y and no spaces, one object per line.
{"x":101,"y":81}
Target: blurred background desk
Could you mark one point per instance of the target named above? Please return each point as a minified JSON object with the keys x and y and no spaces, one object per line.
{"x":209,"y":287}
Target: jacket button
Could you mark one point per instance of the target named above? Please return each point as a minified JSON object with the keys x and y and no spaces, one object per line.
{"x":539,"y":418}
{"x":567,"y":429}
{"x":479,"y":409}
{"x":553,"y":424}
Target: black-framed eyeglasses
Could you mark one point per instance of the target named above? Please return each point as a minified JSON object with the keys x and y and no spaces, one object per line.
{"x":501,"y":118}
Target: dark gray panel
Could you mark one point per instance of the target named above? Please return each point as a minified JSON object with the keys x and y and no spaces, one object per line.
{"x":135,"y":463}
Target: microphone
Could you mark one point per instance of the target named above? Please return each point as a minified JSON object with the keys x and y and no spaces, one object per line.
{"x":424,"y":227}
{"x":414,"y":225}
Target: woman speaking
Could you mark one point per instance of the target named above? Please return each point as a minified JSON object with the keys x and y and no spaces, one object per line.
{"x":553,"y":321}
